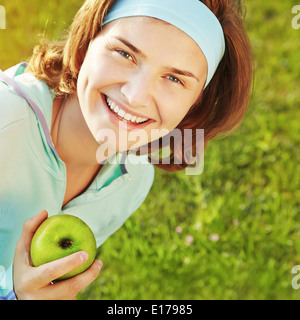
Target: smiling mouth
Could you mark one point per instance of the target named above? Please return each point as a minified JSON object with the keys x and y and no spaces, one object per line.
{"x":123,"y":115}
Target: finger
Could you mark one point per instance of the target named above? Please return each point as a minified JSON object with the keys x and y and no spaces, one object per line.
{"x":30,"y":226}
{"x":24,"y":242}
{"x":44,"y":274}
{"x":68,"y":289}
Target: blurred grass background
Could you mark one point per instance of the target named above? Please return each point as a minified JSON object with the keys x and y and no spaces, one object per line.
{"x":233,"y":232}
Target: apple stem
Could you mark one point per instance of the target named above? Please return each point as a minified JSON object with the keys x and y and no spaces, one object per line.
{"x":65,"y":243}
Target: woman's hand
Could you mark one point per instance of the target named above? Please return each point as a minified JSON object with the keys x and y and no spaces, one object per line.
{"x":34,"y":283}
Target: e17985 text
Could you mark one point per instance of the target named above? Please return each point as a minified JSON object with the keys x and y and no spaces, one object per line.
{"x":171,"y":309}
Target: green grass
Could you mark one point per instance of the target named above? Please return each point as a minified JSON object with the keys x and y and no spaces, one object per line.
{"x":242,"y":212}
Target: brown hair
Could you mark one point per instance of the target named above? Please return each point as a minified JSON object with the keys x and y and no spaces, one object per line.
{"x":218,"y":111}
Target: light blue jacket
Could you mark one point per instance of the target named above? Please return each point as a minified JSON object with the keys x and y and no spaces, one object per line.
{"x":33,"y":177}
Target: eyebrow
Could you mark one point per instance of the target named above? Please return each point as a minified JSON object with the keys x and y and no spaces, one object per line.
{"x":171,"y":69}
{"x":131,"y":46}
{"x":183,"y":73}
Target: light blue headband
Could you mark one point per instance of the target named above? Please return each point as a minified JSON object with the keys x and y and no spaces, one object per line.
{"x":191,"y":16}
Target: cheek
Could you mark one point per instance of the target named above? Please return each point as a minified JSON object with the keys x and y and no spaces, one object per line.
{"x":91,"y":81}
{"x":173,"y":113}
{"x":181,"y":107}
{"x":175,"y":104}
{"x":94,"y":66}
{"x":81,"y":81}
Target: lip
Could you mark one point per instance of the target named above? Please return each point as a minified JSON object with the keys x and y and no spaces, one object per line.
{"x":123,"y":123}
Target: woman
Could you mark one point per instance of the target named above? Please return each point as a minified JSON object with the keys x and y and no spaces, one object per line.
{"x":128,"y":67}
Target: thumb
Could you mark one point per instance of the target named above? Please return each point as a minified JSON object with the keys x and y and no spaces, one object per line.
{"x":29,"y":228}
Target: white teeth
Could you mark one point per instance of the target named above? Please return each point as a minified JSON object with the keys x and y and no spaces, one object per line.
{"x":128,"y":116}
{"x":122,"y":114}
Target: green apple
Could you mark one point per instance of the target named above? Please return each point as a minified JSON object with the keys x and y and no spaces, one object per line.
{"x":59,"y":236}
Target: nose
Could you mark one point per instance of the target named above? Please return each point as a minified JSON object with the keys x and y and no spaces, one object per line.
{"x":138,"y":90}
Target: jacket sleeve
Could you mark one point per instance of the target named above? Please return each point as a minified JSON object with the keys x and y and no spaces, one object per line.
{"x":6,"y":284}
{"x":11,"y":113}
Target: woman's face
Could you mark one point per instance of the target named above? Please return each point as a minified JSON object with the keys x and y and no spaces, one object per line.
{"x":140,"y":77}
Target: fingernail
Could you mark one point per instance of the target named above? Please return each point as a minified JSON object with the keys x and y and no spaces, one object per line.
{"x":41,"y":213}
{"x":83,"y":256}
{"x":99,"y":264}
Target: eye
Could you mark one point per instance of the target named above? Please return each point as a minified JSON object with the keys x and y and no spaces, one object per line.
{"x":174,"y":79}
{"x":125,"y":54}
